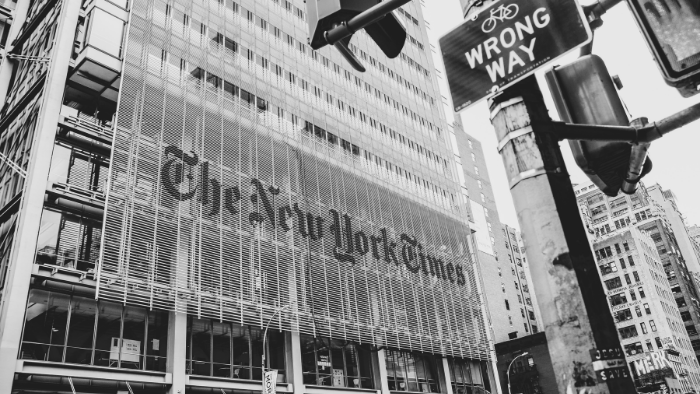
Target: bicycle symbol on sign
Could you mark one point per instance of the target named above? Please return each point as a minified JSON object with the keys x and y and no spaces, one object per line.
{"x":499,"y":15}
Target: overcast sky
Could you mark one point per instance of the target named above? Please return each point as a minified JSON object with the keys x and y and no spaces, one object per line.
{"x":676,"y":157}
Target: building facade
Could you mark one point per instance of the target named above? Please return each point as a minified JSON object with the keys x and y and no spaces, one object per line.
{"x":530,"y":373}
{"x":191,"y":197}
{"x":511,"y":304}
{"x":640,"y":272}
{"x":518,"y":261}
{"x":686,"y":245}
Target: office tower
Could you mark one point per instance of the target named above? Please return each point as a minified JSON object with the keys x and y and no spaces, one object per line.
{"x":509,"y":299}
{"x":191,"y":197}
{"x":667,"y":200}
{"x":650,"y":290}
{"x":516,"y":251}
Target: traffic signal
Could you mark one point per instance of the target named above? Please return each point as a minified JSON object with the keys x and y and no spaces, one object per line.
{"x":323,"y":15}
{"x":672,"y":31}
{"x":584,"y":93}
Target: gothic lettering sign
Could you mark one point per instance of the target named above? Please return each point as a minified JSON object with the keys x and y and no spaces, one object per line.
{"x":348,"y":244}
{"x":506,"y":42}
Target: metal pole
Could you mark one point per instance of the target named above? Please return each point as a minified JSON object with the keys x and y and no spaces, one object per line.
{"x":267,"y":325}
{"x":509,"y":365}
{"x":574,"y":306}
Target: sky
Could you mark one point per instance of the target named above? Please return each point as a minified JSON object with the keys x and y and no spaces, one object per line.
{"x":675,"y":157}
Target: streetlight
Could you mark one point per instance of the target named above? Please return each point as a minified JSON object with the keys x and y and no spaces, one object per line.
{"x":508,"y":370}
{"x":267,"y":325}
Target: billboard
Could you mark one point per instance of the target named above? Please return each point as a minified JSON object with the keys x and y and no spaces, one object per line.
{"x":221,"y":208}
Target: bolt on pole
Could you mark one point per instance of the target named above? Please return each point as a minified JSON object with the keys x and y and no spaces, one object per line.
{"x":577,"y":319}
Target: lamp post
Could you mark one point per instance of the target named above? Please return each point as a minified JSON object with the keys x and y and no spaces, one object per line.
{"x":267,"y":325}
{"x":508,"y":370}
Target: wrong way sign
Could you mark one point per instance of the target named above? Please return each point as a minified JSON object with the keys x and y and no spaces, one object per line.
{"x":506,"y":42}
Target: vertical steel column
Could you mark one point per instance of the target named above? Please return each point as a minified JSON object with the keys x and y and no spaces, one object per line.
{"x":177,"y":351}
{"x":574,"y":307}
{"x":19,"y":273}
{"x":381,"y":368}
{"x":445,"y":378}
{"x":293,"y":365}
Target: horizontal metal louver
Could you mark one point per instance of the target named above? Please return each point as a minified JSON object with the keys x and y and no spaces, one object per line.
{"x":219,"y":209}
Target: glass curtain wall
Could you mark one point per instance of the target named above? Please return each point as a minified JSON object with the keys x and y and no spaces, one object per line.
{"x":468,"y":376}
{"x":229,"y":350}
{"x":411,"y":371}
{"x":79,"y":330}
{"x":337,"y":363}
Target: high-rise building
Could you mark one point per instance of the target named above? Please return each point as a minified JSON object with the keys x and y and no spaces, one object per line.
{"x":516,"y":251}
{"x":510,"y":302}
{"x":190,"y":197}
{"x":650,"y":290}
{"x":694,"y":233}
{"x":667,"y":200}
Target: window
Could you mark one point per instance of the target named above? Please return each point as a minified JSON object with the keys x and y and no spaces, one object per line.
{"x":613,"y":283}
{"x":681,"y":302}
{"x":617,"y":249}
{"x":332,"y":362}
{"x":634,"y":348}
{"x":618,"y":299}
{"x":507,"y":305}
{"x":627,"y":279}
{"x":658,"y":342}
{"x":411,"y":371}
{"x":638,"y":311}
{"x":630,"y":260}
{"x":97,"y":333}
{"x":650,"y":347}
{"x":230,"y":350}
{"x":622,"y":264}
{"x":633,"y":295}
{"x":623,"y":315}
{"x":652,"y":325}
{"x":647,"y":310}
{"x":641,"y":293}
{"x":643,"y":326}
{"x":626,"y":246}
{"x":68,"y":241}
{"x":628,"y":332}
{"x":467,"y":374}
{"x":608,"y":268}
{"x":603,"y":253}
{"x":636,"y":276}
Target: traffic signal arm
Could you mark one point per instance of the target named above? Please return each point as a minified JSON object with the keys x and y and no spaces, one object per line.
{"x":631,"y":134}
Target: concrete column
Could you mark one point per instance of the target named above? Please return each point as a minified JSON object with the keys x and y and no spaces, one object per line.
{"x":24,"y":247}
{"x":292,"y":361}
{"x":379,"y":369}
{"x":444,"y":373}
{"x":177,"y":351}
{"x":574,"y":306}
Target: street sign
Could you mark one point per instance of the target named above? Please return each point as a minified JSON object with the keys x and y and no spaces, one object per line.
{"x":507,"y":42}
{"x":270,"y":382}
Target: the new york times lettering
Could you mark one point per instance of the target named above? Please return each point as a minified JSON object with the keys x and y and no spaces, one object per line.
{"x":178,"y":171}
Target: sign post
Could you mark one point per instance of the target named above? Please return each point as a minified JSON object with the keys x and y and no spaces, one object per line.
{"x":498,"y":49}
{"x":506,"y":42}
